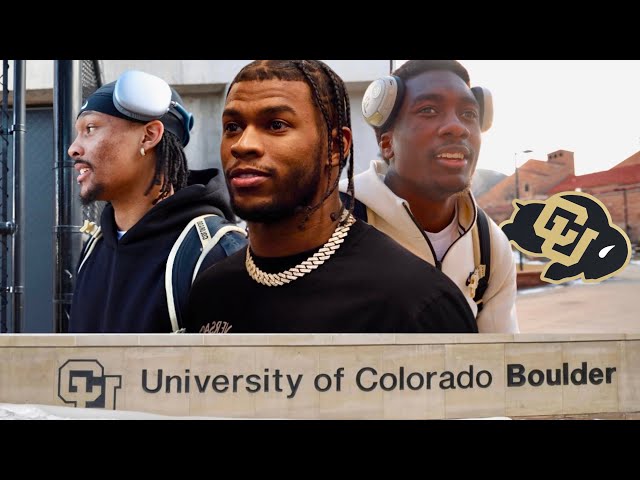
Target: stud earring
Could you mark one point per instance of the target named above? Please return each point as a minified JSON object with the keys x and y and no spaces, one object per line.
{"x":142,"y":152}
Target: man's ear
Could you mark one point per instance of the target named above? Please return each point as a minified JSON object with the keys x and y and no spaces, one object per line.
{"x":346,"y":145}
{"x":386,"y":146}
{"x":153,"y":132}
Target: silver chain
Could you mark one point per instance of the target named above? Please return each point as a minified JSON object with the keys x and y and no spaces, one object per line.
{"x":310,"y":264}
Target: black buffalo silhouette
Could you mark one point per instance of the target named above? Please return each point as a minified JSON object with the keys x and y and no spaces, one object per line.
{"x":604,"y":256}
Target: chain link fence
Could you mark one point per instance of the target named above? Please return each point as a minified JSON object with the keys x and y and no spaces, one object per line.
{"x":40,"y":144}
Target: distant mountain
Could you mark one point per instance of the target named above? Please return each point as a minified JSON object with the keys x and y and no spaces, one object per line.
{"x":484,"y":180}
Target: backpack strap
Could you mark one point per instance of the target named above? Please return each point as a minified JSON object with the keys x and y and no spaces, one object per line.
{"x":478,"y":280}
{"x":205,"y":240}
{"x":95,"y":231}
{"x":359,"y":208}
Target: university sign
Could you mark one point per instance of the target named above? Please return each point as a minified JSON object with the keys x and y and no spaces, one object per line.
{"x":368,"y":379}
{"x":326,"y":376}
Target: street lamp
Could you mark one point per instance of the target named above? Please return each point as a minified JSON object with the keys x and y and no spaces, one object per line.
{"x":517,"y":192}
{"x":515,"y":164}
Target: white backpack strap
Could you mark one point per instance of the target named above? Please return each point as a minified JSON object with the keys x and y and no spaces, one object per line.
{"x":210,"y":242}
{"x":168,"y":272}
{"x":207,"y":242}
{"x":96,"y":234}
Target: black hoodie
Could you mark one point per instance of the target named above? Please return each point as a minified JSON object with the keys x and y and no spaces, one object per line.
{"x":120,"y":288}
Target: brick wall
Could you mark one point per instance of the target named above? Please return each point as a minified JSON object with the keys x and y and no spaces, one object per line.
{"x":535,"y":178}
{"x":614,"y":202}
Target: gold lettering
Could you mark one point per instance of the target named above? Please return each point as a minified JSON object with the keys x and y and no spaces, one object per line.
{"x":554,"y":235}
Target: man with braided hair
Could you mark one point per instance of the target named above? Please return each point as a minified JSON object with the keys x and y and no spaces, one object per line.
{"x":140,"y":168}
{"x":310,"y":267}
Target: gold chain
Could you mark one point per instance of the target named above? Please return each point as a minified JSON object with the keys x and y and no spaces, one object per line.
{"x":311,"y":263}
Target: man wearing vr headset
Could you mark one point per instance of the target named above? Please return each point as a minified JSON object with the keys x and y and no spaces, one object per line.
{"x":427,"y":122}
{"x":129,"y":151}
{"x":310,"y":267}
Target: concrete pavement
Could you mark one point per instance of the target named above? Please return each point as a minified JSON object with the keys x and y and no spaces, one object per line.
{"x":612,"y":306}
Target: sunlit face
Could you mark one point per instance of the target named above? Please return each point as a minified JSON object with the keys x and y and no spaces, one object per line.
{"x":435,"y":140}
{"x":272,"y":149}
{"x":106,"y":154}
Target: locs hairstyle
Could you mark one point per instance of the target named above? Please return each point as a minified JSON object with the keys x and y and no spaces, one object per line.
{"x":329,"y":95}
{"x":171,"y":166}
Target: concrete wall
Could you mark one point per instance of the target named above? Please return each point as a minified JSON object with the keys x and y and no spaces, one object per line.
{"x":39,"y":75}
{"x":202,"y":84}
{"x":404,"y":376}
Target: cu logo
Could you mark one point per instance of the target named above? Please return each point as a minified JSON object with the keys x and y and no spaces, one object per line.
{"x":575,"y":232}
{"x":83,"y":383}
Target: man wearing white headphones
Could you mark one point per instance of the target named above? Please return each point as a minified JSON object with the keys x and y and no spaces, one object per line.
{"x":129,"y":151}
{"x":428,"y":122}
{"x":310,"y":266}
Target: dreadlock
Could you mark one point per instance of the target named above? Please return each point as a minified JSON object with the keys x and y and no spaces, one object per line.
{"x":171,"y":166}
{"x":329,"y":94}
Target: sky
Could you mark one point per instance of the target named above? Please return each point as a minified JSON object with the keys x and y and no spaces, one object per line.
{"x":589,"y":107}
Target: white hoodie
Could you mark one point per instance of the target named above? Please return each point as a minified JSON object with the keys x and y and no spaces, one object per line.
{"x":391,"y":215}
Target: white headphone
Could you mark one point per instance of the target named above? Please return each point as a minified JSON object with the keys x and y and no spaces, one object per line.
{"x":146,"y":97}
{"x":141,"y":95}
{"x":383,"y":98}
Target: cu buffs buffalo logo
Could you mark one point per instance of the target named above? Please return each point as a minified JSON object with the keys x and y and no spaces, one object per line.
{"x":83,"y":383}
{"x":574,"y":231}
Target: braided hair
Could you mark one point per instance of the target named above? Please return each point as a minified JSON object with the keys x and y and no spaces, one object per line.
{"x":329,"y":94}
{"x":171,"y":166}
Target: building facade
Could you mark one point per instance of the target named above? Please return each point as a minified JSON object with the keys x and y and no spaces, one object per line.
{"x":617,"y":188}
{"x":202,"y":84}
{"x":535,"y":179}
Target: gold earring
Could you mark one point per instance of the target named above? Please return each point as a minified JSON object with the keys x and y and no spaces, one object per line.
{"x":142,"y":152}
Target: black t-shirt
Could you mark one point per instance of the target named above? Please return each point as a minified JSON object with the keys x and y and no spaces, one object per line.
{"x":369,"y":285}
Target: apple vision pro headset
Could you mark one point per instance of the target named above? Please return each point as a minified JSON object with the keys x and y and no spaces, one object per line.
{"x":383,"y":98}
{"x":145,"y":97}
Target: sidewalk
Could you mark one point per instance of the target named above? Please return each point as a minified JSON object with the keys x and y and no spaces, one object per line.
{"x":612,"y":306}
